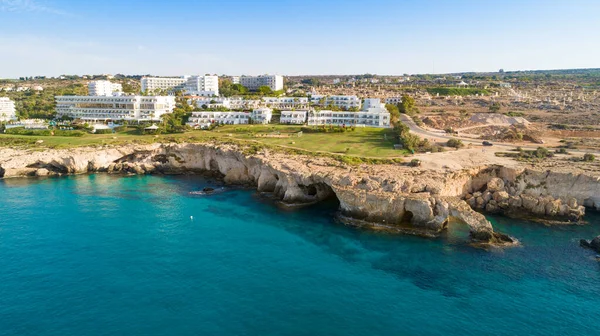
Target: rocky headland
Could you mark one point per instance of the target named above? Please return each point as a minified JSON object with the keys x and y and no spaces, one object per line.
{"x":389,"y":195}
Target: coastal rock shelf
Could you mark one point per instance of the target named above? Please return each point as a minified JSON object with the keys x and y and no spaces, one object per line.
{"x":390,"y":194}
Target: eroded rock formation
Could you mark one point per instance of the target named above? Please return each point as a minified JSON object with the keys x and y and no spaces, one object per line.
{"x":392,"y":194}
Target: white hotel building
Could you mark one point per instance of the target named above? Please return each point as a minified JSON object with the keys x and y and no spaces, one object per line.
{"x":150,"y":84}
{"x":393,"y":100}
{"x":206,"y":86}
{"x":118,"y":107}
{"x":373,"y":114}
{"x":293,"y":117}
{"x":103,"y":88}
{"x":7,"y":109}
{"x":229,"y":103}
{"x":343,"y":102}
{"x":205,"y":119}
{"x":274,"y":82}
{"x":281,"y":103}
{"x":261,"y":115}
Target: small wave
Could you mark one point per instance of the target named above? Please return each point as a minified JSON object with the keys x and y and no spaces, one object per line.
{"x":208,"y":192}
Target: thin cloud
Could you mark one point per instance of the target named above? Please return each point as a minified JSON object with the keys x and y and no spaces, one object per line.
{"x":28,"y":6}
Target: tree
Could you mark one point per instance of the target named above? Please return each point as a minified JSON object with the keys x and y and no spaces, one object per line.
{"x":495,"y":107}
{"x":265,"y":90}
{"x":407,"y":105}
{"x":394,"y":112}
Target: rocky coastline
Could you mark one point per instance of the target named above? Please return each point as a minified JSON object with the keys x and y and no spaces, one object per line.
{"x":394,"y":196}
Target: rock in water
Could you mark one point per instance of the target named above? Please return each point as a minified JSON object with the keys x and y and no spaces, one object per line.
{"x":594,"y":244}
{"x":208,"y":189}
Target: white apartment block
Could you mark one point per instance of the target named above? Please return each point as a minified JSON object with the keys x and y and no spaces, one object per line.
{"x":343,"y":102}
{"x":205,"y":119}
{"x":206,"y":86}
{"x":151,"y":84}
{"x":7,"y":109}
{"x":286,"y":102}
{"x":373,"y":114}
{"x":274,"y":82}
{"x":229,"y":103}
{"x":293,"y":117}
{"x":393,"y":100}
{"x":118,"y":107}
{"x":261,"y":115}
{"x":103,"y":88}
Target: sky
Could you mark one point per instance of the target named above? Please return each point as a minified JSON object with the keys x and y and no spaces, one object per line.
{"x":309,"y":37}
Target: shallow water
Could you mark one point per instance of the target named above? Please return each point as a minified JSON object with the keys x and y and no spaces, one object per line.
{"x":105,"y":255}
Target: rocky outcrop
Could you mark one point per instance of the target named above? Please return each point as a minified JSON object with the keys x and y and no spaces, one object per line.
{"x":528,"y":192}
{"x":392,"y":194}
{"x":594,"y":244}
{"x":400,"y":196}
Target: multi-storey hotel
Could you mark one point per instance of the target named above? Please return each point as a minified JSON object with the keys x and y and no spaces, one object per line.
{"x":7,"y":109}
{"x":343,"y":102}
{"x":274,"y":82}
{"x":103,"y":88}
{"x":229,"y":103}
{"x":151,"y":84}
{"x":300,"y":103}
{"x":373,"y":114}
{"x":205,"y":86}
{"x":293,"y":117}
{"x":118,"y":107}
{"x":205,"y":119}
{"x":261,"y":115}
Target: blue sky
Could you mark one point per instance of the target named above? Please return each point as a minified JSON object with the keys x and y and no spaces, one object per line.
{"x":53,"y":37}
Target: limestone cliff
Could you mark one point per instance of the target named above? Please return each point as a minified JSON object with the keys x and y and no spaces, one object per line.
{"x":392,"y":194}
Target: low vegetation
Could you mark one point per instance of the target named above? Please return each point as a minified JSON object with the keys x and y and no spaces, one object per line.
{"x":455,"y":143}
{"x":455,"y":91}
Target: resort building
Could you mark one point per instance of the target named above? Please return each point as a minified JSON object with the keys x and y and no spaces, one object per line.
{"x":261,"y":115}
{"x":293,"y":117}
{"x":7,"y":109}
{"x":343,"y":102}
{"x":281,"y":103}
{"x":205,"y":86}
{"x":373,"y":114}
{"x":393,"y":100}
{"x":274,"y":82}
{"x":103,"y":88}
{"x":117,"y":107}
{"x":228,"y":103}
{"x":205,"y":119}
{"x":151,"y":84}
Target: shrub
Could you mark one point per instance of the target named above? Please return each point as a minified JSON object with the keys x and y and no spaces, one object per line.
{"x":415,"y":163}
{"x":589,"y":157}
{"x":104,"y":131}
{"x":561,"y":151}
{"x":456,"y":143}
{"x":542,"y":153}
{"x":24,"y":131}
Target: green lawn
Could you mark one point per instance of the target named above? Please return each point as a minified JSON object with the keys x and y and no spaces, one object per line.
{"x":363,"y":142}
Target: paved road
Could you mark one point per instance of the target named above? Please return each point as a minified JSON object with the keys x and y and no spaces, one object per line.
{"x":442,"y":136}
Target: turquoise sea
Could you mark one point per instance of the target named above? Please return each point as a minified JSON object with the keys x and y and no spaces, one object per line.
{"x":106,"y":255}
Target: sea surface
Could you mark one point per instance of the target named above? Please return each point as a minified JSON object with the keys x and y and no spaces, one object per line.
{"x":145,"y":255}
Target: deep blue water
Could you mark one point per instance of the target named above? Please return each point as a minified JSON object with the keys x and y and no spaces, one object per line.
{"x":104,"y":255}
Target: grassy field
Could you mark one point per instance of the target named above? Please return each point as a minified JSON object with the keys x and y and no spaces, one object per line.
{"x":363,"y":142}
